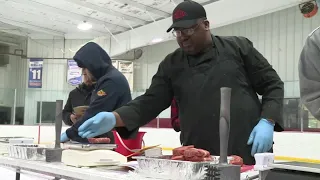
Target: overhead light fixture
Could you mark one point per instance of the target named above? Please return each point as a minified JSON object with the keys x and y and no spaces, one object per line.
{"x":84,"y":26}
{"x":156,"y":40}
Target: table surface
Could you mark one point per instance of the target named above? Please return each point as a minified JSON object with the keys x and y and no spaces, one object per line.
{"x":62,"y":171}
{"x":298,"y":166}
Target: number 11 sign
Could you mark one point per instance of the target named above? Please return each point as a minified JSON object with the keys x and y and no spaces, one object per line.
{"x":35,"y":73}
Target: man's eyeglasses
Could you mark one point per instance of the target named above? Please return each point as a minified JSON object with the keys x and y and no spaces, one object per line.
{"x":185,"y":32}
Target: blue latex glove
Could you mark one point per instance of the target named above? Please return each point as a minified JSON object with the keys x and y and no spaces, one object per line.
{"x":64,"y":137}
{"x":261,"y":137}
{"x":99,"y":124}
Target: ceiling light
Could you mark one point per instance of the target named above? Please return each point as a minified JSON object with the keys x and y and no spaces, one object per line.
{"x":156,"y":40}
{"x":84,"y":26}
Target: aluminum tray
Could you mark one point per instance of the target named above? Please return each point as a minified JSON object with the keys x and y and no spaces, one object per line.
{"x":165,"y":168}
{"x":6,"y":139}
{"x":27,"y":151}
{"x":5,"y":142}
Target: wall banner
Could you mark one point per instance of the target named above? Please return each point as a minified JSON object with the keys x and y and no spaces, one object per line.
{"x":74,"y":74}
{"x":35,"y":73}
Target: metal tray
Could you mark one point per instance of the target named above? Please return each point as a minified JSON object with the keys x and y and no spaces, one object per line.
{"x":163,"y":167}
{"x":27,"y":151}
{"x":5,"y":142}
{"x":6,"y":139}
{"x":167,"y":158}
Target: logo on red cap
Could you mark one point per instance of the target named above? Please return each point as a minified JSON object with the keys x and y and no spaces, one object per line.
{"x":179,"y":14}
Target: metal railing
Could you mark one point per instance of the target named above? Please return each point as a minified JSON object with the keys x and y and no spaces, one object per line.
{"x":34,"y":106}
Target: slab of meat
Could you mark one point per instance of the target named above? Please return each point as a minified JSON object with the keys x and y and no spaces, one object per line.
{"x":180,"y":150}
{"x":99,"y":140}
{"x":189,"y":153}
{"x":193,"y":152}
{"x":236,"y":160}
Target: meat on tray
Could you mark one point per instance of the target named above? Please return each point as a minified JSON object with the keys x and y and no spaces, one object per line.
{"x":180,"y":150}
{"x":99,"y":140}
{"x":193,"y":152}
{"x":236,"y":160}
{"x":189,"y":153}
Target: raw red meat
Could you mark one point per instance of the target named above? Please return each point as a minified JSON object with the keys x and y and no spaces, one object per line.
{"x":180,"y":150}
{"x":236,"y":160}
{"x":189,"y":153}
{"x":193,"y":152}
{"x":99,"y":140}
{"x":246,"y":168}
{"x":179,"y":158}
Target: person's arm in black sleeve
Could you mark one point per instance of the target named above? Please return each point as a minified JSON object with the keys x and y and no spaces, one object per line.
{"x":266,"y":82}
{"x":104,"y":101}
{"x":147,"y":106}
{"x":67,"y":111}
{"x":175,"y":122}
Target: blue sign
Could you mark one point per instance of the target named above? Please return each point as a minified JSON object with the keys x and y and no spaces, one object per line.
{"x":35,"y":73}
{"x":74,"y":74}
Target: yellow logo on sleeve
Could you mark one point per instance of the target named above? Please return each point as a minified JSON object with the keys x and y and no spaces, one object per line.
{"x":101,"y":93}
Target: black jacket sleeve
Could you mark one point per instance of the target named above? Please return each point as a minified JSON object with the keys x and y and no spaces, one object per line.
{"x":148,"y":106}
{"x":106,"y":97}
{"x":265,"y":82}
{"x":67,"y":111}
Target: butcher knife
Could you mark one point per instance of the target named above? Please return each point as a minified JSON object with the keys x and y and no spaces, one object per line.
{"x":54,"y":155}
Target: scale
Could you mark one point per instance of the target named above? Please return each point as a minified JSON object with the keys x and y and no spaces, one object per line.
{"x":88,"y":147}
{"x":91,"y":155}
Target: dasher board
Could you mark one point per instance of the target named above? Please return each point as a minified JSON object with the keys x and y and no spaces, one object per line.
{"x":298,"y":166}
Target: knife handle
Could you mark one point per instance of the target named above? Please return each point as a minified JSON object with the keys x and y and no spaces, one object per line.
{"x":224,"y":123}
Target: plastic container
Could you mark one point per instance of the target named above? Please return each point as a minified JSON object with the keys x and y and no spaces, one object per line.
{"x":128,"y":146}
{"x":154,"y":152}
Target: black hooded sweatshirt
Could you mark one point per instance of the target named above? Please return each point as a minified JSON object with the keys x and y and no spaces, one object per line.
{"x":111,"y":89}
{"x":80,"y":96}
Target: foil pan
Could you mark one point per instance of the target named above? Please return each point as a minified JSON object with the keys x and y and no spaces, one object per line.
{"x":4,"y":143}
{"x":6,"y":139}
{"x":162,"y":167}
{"x":27,"y":152}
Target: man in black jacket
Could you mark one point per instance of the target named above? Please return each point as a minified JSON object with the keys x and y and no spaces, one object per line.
{"x":111,"y":89}
{"x":80,"y":96}
{"x":194,"y":74}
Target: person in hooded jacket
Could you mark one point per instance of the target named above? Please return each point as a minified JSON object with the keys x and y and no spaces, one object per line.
{"x":194,"y":75}
{"x":80,"y":96}
{"x":111,"y":89}
{"x":309,"y":73}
